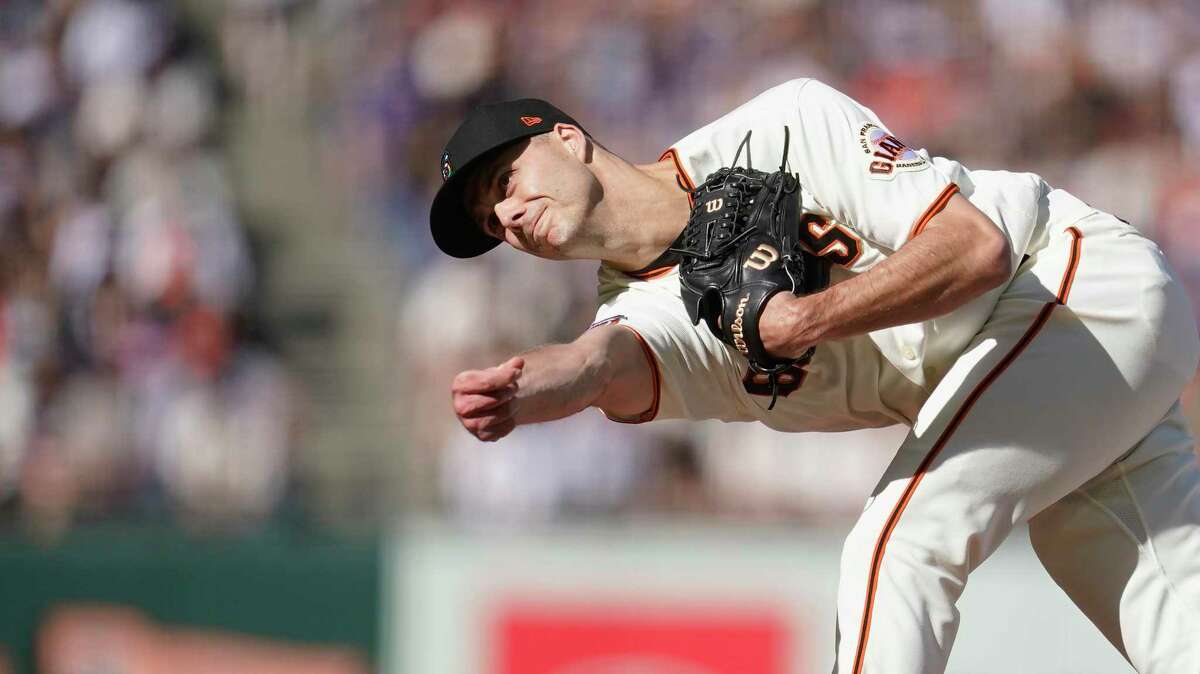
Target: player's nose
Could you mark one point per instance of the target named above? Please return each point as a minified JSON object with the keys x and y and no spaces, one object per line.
{"x":510,"y":212}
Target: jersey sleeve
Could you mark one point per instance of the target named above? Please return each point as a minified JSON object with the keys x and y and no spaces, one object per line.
{"x":692,"y":371}
{"x":860,"y":173}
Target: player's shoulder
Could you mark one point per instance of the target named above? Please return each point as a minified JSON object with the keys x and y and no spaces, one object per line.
{"x":782,"y":95}
{"x":779,"y":99}
{"x":766,"y":114}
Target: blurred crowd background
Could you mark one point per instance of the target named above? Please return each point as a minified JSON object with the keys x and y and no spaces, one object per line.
{"x":220,"y":306}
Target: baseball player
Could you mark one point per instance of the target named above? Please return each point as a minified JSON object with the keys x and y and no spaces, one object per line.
{"x":1035,"y":346}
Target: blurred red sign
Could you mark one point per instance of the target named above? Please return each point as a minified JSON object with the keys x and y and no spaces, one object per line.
{"x":640,"y":639}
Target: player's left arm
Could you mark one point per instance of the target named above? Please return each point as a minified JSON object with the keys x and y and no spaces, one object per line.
{"x":960,"y":255}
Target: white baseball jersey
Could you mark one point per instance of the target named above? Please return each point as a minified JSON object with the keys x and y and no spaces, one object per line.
{"x":1052,"y":399}
{"x":863,"y":195}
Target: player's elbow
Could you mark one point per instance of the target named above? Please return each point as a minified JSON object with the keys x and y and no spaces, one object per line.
{"x":993,"y":256}
{"x":627,"y":384}
{"x":978,"y":244}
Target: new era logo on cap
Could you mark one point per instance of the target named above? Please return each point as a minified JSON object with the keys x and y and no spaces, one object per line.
{"x":531,"y":121}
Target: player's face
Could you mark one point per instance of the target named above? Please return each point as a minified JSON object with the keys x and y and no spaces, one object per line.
{"x":536,"y":196}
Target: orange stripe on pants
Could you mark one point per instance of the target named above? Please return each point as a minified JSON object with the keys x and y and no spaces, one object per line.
{"x":898,"y":510}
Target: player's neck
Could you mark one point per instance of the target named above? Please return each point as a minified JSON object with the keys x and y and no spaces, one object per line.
{"x":642,"y":212}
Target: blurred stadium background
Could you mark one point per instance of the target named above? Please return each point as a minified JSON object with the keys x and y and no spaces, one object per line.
{"x":226,"y":338}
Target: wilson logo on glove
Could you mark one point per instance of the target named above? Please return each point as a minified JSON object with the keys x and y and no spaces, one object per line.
{"x":762,"y":257}
{"x":752,"y":216}
{"x":739,"y":339}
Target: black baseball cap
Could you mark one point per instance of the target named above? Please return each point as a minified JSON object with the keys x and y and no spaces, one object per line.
{"x":489,"y":127}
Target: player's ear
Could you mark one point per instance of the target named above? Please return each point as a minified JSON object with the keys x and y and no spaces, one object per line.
{"x":574,"y":140}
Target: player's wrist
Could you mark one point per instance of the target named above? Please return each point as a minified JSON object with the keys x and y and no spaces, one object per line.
{"x":785,"y":326}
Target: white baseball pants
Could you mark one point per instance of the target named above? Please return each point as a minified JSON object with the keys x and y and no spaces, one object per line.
{"x":1062,"y":412}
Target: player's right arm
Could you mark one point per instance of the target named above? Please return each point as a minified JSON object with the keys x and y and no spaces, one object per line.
{"x":605,"y":367}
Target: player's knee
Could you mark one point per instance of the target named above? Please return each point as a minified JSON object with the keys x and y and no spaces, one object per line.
{"x":927,"y":549}
{"x":915,"y":566}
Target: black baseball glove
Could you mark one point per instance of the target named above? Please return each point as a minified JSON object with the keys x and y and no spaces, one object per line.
{"x":740,"y":247}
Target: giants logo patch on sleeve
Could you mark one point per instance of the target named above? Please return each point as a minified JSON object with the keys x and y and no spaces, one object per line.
{"x":887,"y":155}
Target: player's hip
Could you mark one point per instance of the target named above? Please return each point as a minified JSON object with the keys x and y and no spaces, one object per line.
{"x":1112,"y":285}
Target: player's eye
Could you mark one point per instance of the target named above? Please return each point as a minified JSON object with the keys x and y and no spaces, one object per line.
{"x":504,"y":181}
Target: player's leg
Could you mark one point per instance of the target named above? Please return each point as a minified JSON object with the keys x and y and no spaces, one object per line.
{"x":1045,"y":398}
{"x":1126,"y":548}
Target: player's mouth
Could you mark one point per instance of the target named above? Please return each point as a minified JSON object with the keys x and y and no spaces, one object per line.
{"x":536,"y":235}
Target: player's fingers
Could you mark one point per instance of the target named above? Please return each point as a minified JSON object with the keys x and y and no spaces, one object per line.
{"x":494,"y":433}
{"x":479,"y":381}
{"x":488,"y":424}
{"x":470,"y":381}
{"x":512,"y":369}
{"x":476,"y":404}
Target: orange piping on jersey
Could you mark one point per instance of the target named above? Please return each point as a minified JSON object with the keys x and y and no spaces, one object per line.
{"x":897,"y":510}
{"x":657,"y":272}
{"x":936,"y":207}
{"x":656,"y":379}
{"x":1076,"y":246}
{"x":687,"y":180}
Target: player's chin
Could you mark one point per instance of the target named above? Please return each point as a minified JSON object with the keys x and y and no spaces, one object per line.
{"x":553,"y":247}
{"x":549,"y":253}
{"x":558,"y":241}
{"x":544,"y":252}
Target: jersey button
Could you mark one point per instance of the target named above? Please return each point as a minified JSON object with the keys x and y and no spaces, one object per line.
{"x":909,"y":354}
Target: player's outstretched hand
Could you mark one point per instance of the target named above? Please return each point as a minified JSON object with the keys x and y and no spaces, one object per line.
{"x":483,"y":399}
